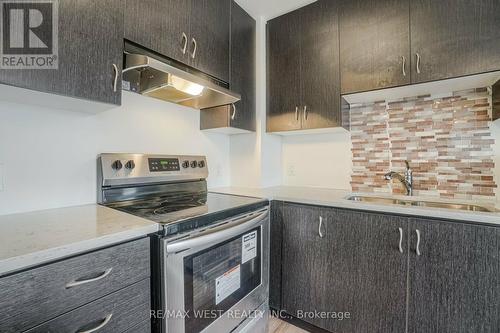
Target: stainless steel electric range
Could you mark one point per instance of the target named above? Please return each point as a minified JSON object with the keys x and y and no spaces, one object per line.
{"x":210,"y":260}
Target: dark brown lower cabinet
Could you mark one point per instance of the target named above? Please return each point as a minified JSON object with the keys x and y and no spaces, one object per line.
{"x":454,"y":284}
{"x":391,"y":273}
{"x":337,"y":262}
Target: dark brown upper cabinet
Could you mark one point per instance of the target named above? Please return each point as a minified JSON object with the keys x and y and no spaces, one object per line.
{"x":162,"y":26}
{"x":452,"y":38}
{"x":208,"y":47}
{"x":303,"y":69}
{"x":90,"y":51}
{"x":193,"y":32}
{"x":374,"y":44}
{"x":239,"y":117}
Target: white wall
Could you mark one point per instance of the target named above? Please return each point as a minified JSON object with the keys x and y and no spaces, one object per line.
{"x":318,"y":160}
{"x":256,"y":158}
{"x":48,"y":156}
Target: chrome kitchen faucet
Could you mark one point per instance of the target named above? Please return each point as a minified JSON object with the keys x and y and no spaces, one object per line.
{"x":406,"y":180}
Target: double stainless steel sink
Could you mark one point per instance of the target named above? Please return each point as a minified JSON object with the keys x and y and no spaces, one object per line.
{"x":420,"y":203}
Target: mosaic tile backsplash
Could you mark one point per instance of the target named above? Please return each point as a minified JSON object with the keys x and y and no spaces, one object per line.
{"x":446,"y":139}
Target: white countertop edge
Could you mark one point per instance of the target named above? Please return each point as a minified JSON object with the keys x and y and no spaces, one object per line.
{"x":338,"y":200}
{"x":428,"y":212}
{"x":15,"y":264}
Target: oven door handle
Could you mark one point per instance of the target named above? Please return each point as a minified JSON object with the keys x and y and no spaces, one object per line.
{"x":218,"y":234}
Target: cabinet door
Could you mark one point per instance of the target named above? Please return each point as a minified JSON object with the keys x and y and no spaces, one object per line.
{"x":208,"y":45}
{"x":367,"y":272}
{"x":243,"y":34}
{"x":319,"y":67}
{"x":374,"y":38}
{"x":355,"y":267}
{"x":454,"y":38}
{"x":283,"y":66}
{"x":90,"y":42}
{"x":305,"y":261}
{"x":455,"y":281}
{"x":159,"y":25}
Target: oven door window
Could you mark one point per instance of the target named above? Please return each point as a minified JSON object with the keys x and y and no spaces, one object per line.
{"x":217,"y":278}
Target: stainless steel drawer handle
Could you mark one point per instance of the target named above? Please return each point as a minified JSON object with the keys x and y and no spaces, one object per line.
{"x":195,"y":47}
{"x":101,"y":325}
{"x":401,"y":240}
{"x":418,"y":63}
{"x":77,"y":283}
{"x":185,"y":40}
{"x":233,"y":114}
{"x":418,"y":243}
{"x":305,"y":113}
{"x":320,"y":227}
{"x":404,"y":65}
{"x":297,"y":113}
{"x":115,"y":81}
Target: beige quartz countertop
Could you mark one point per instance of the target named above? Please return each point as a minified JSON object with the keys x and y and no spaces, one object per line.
{"x":34,"y":238}
{"x":337,"y":198}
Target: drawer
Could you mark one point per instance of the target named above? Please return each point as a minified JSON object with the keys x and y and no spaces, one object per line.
{"x":144,"y":327}
{"x":114,"y":313}
{"x":35,"y":296}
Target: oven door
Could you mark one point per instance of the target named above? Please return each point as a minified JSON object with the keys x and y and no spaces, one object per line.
{"x":214,"y":279}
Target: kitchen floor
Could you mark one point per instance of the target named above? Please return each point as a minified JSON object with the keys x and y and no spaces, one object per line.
{"x":279,"y":326}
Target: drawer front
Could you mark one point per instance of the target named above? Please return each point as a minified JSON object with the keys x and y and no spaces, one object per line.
{"x":114,"y":313}
{"x":144,"y":327}
{"x":32,"y":297}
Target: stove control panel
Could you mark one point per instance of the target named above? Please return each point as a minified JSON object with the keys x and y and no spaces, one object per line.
{"x":164,"y":164}
{"x":136,"y":169}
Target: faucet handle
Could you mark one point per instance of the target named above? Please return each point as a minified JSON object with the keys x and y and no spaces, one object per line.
{"x":407,"y":165}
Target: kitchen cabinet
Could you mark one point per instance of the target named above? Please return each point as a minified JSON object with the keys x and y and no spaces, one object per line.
{"x":209,"y":43}
{"x":454,"y":284}
{"x":303,"y":69}
{"x":240,"y":117}
{"x":345,"y":261}
{"x":90,"y":50}
{"x":117,"y":312}
{"x":392,"y":273}
{"x":159,"y":25}
{"x":276,"y":235}
{"x":374,"y":44}
{"x":192,"y":32}
{"x":453,"y":38}
{"x":44,"y":294}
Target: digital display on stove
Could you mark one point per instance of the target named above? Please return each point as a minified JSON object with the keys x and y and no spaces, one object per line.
{"x":164,"y":164}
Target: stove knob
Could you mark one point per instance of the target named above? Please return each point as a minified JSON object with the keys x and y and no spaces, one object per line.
{"x":201,"y":164}
{"x":185,"y":164}
{"x":117,"y":165}
{"x":130,"y":165}
{"x":194,"y":164}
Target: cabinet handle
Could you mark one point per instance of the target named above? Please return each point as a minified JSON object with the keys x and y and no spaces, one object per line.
{"x":305,"y":113}
{"x":418,"y":63}
{"x":401,"y":240}
{"x":233,"y":114}
{"x":195,"y":47}
{"x":418,"y":243}
{"x":101,"y":325}
{"x":320,"y":227}
{"x":115,"y":81}
{"x":404,"y":65}
{"x":297,"y":113}
{"x":76,"y":283}
{"x":185,"y":39}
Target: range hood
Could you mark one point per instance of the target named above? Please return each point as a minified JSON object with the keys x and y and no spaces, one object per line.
{"x":163,"y":80}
